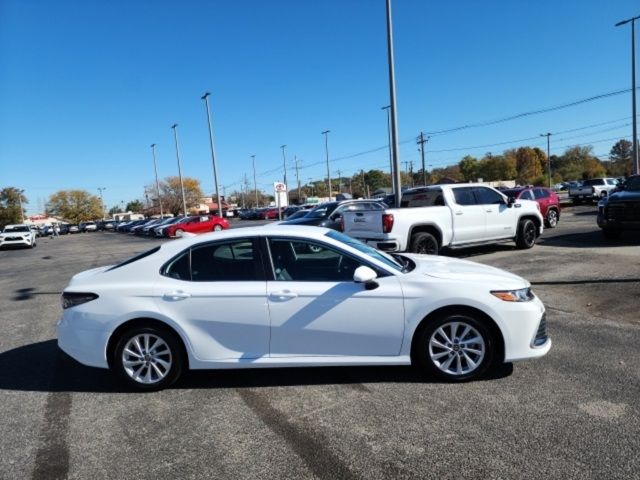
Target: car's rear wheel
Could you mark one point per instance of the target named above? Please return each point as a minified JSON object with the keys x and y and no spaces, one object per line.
{"x":455,"y":347}
{"x":217,"y":228}
{"x":425,"y":243}
{"x":526,"y":236}
{"x":552,"y":218}
{"x":148,"y":358}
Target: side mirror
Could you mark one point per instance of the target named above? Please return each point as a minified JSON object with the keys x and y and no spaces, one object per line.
{"x":367,"y":276}
{"x":335,"y":217}
{"x":510,"y":201}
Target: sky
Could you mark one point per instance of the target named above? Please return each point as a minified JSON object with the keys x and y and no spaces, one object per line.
{"x":87,"y":86}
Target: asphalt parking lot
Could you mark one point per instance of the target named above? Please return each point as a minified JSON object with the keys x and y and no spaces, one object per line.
{"x":573,"y":414}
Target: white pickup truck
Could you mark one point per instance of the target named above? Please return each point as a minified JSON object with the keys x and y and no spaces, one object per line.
{"x":453,"y":216}
{"x":593,"y":189}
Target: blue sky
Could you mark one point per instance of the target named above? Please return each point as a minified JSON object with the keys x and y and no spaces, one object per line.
{"x":87,"y":86}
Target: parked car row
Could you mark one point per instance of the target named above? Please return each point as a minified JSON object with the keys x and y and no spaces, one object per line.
{"x":271,"y":213}
{"x":170,"y":227}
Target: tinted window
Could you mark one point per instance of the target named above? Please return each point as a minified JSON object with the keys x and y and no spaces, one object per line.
{"x":179,"y":267}
{"x":302,"y":261}
{"x":464,"y":196}
{"x":428,"y":198}
{"x":526,"y":195}
{"x":486,"y":196}
{"x":611,"y":181}
{"x":596,"y":181}
{"x":220,"y":262}
{"x":539,"y":193}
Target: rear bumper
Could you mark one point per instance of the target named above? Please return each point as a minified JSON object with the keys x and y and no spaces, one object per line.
{"x":388,"y":245}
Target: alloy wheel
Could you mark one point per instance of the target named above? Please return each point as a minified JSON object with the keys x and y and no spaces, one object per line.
{"x":456,"y":348}
{"x":552,"y":218}
{"x":146,"y":358}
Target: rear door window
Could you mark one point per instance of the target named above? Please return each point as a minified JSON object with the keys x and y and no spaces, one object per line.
{"x":464,"y":196}
{"x":540,"y":193}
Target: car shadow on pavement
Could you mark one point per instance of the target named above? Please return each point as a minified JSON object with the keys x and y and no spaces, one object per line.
{"x":43,"y":367}
{"x":591,"y":239}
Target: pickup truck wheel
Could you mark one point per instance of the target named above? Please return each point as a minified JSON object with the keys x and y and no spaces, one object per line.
{"x":526,"y":237}
{"x":455,"y":347}
{"x":577,"y":200}
{"x":552,"y":218}
{"x":611,"y":233}
{"x":425,"y":243}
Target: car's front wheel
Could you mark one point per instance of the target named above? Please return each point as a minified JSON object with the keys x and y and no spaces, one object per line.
{"x":526,"y":236}
{"x":148,"y":358}
{"x":455,"y":347}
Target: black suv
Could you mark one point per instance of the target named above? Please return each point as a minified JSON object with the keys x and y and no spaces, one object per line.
{"x":621,"y":210}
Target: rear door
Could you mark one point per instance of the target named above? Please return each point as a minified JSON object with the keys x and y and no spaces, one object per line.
{"x":468,"y":217}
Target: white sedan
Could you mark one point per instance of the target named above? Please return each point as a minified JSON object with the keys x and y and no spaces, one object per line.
{"x":291,"y":296}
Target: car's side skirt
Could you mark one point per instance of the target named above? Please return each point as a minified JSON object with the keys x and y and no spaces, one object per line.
{"x":299,"y":361}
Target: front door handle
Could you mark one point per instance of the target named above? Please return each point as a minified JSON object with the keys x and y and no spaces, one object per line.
{"x":283,"y":295}
{"x":489,"y":211}
{"x":177,"y":295}
{"x":458,"y":213}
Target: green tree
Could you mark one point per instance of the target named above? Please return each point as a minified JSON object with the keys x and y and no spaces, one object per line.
{"x":530,"y":164}
{"x":376,"y":179}
{"x":620,"y":157}
{"x":135,"y":206}
{"x":10,"y":199}
{"x":469,"y":168}
{"x":579,"y":163}
{"x":74,"y":206}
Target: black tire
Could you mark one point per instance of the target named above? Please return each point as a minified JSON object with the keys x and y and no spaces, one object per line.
{"x":527,"y":232}
{"x":577,"y":200}
{"x":551,"y":220}
{"x":425,"y":243}
{"x":175,"y":357}
{"x":424,"y":351}
{"x":611,"y":233}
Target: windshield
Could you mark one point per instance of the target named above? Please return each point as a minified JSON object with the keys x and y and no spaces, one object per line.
{"x":632,"y":184}
{"x":366,"y":249}
{"x":19,"y":228}
{"x":322,"y":211}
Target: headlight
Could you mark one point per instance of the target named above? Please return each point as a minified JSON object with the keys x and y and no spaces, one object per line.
{"x":71,"y":299}
{"x":522,"y":295}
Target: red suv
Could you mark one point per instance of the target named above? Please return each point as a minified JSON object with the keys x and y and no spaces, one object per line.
{"x":199,"y":224}
{"x":546,"y":198}
{"x":270,"y":213}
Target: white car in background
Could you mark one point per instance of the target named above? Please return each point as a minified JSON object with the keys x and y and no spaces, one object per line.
{"x":294,"y":296}
{"x":20,"y":235}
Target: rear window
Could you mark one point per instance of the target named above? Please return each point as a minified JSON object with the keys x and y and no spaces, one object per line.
{"x":427,"y":198}
{"x":595,"y":181}
{"x":136,"y":258}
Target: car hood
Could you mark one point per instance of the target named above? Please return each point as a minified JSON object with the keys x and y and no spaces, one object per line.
{"x":624,"y":196}
{"x":466,"y":271}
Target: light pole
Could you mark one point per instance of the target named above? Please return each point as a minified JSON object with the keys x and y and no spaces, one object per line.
{"x":422,"y":140}
{"x":175,"y":136}
{"x":284,"y":166}
{"x":636,"y":165}
{"x":255,"y":183}
{"x":20,"y":192}
{"x":326,"y":149}
{"x":389,"y":141}
{"x":295,"y":159}
{"x":155,"y":169}
{"x":205,"y":97}
{"x":548,"y":135}
{"x":100,"y":189}
{"x":397,"y":184}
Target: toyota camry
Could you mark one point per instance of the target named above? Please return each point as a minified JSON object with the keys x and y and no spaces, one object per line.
{"x":294,"y":296}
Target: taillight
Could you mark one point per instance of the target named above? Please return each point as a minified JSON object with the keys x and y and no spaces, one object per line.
{"x":387,"y":222}
{"x":72,"y":299}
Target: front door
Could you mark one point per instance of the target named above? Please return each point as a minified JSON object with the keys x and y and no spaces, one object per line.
{"x":500,"y":218}
{"x":217,"y":292}
{"x":468,"y":217}
{"x":317,"y":309}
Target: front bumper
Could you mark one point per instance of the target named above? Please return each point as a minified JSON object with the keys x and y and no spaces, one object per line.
{"x":524,"y":329}
{"x":15,"y":242}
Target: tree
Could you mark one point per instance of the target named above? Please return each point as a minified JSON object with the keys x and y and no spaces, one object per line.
{"x":134,"y":206}
{"x":620,"y":157}
{"x":75,"y":206}
{"x":10,"y":198}
{"x":469,"y":168}
{"x":530,"y":164}
{"x":114,"y":210}
{"x":172,"y":194}
{"x":579,"y":163}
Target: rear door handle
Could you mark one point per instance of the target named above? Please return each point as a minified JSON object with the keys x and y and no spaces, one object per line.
{"x":177,"y":295}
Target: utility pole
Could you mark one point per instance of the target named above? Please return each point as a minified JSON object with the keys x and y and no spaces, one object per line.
{"x":548,"y":135}
{"x":350,"y":187}
{"x":175,"y":136}
{"x":284,"y":167}
{"x":339,"y":181}
{"x":636,"y":164}
{"x":205,"y":97}
{"x":255,"y":183}
{"x":411,"y":173}
{"x":326,"y":149}
{"x":364,"y":184}
{"x":295,"y":159}
{"x":155,"y":169}
{"x":100,"y":189}
{"x":389,"y":140}
{"x":311,"y":184}
{"x":422,"y":140}
{"x":395,"y":147}
{"x":20,"y":192}
{"x":243,"y":190}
